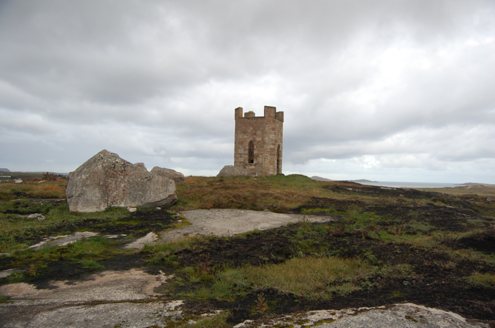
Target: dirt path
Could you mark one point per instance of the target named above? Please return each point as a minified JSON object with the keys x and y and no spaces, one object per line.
{"x":229,"y":222}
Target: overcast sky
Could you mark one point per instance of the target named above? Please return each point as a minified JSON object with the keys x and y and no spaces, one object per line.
{"x":398,"y":90}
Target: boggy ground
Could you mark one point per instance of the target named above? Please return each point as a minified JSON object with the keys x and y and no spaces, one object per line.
{"x":388,"y":246}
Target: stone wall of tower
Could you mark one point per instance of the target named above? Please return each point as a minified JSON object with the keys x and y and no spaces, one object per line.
{"x":266,"y":133}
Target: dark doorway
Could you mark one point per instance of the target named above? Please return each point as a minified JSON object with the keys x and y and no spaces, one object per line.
{"x":251,"y":152}
{"x":279,"y":164}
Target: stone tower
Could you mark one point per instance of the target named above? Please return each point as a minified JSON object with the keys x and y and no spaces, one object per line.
{"x":259,"y":141}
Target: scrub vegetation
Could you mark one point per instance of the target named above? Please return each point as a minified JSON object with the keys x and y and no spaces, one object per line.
{"x":380,"y":246}
{"x":32,"y":189}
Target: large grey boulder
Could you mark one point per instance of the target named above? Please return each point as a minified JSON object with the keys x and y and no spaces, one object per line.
{"x":169,"y":173}
{"x":107,"y":180}
{"x":231,"y":171}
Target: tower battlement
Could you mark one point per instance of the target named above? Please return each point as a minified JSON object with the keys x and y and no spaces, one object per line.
{"x":270,"y":112}
{"x":259,"y":141}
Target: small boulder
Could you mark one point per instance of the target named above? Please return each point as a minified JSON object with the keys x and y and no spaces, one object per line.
{"x":231,"y":171}
{"x":107,"y":180}
{"x":169,"y":173}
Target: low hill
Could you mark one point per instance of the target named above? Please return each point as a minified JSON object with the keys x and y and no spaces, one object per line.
{"x":317,"y":178}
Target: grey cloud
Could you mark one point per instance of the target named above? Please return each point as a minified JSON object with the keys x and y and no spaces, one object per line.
{"x":160,"y":79}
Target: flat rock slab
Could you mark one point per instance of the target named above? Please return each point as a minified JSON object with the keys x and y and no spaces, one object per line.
{"x":152,"y":314}
{"x":6,"y":273}
{"x":149,"y":239}
{"x":106,"y":299}
{"x":398,"y":316}
{"x":113,"y":286}
{"x":65,"y":239}
{"x":228,"y":222}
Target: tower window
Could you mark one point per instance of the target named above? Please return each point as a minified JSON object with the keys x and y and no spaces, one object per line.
{"x":251,"y":152}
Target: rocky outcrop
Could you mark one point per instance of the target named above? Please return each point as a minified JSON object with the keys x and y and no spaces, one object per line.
{"x":169,"y":173}
{"x":107,"y":180}
{"x":231,"y":171}
{"x":124,"y":298}
{"x":406,"y":315}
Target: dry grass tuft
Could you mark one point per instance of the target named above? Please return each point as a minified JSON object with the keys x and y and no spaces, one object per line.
{"x":316,"y":278}
{"x":53,"y":189}
{"x":276,"y":193}
{"x":485,"y":280}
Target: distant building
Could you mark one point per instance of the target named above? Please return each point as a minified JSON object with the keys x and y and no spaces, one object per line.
{"x":259,"y":141}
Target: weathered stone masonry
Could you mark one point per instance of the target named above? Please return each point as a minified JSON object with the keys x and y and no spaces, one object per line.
{"x":259,"y":141}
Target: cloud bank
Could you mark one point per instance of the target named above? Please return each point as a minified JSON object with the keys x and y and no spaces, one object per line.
{"x":386,"y":90}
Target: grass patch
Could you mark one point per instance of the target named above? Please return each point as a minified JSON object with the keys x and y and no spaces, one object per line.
{"x":16,"y":276}
{"x":89,"y":248}
{"x":86,"y":252}
{"x":163,"y":252}
{"x":52,"y":189}
{"x":17,"y":231}
{"x":485,"y":280}
{"x":315,"y":278}
{"x":276,"y":193}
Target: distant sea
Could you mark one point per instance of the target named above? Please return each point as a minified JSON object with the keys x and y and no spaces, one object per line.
{"x":410,"y":184}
